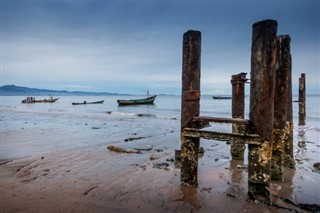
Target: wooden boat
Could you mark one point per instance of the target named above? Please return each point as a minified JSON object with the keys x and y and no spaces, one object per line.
{"x":148,"y":100}
{"x":221,"y":97}
{"x":85,"y":102}
{"x":31,"y":100}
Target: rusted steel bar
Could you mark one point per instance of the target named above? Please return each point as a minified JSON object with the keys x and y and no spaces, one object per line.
{"x":238,"y":84}
{"x":190,"y":104}
{"x":222,"y":136}
{"x":288,"y":144}
{"x":222,"y":120}
{"x":280,"y":107}
{"x":302,"y":99}
{"x":263,"y":63}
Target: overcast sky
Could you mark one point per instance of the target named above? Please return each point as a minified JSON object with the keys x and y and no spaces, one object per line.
{"x":131,"y":46}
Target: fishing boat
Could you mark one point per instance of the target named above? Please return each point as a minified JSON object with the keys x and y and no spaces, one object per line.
{"x":31,"y":100}
{"x":85,"y":102}
{"x":148,"y":100}
{"x":221,"y":97}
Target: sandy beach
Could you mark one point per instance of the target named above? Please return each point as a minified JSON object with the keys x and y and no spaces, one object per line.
{"x":105,"y":181}
{"x":89,"y":177}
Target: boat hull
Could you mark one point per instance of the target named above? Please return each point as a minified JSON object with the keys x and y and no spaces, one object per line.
{"x":148,"y":100}
{"x":83,"y":103}
{"x":221,"y":97}
{"x":25,"y":101}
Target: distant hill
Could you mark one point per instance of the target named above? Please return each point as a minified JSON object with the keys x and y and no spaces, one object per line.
{"x":12,"y":90}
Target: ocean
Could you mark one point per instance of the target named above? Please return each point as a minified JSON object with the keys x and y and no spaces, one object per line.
{"x":32,"y":129}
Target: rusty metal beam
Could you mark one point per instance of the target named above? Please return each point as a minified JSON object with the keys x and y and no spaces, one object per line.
{"x":222,"y":136}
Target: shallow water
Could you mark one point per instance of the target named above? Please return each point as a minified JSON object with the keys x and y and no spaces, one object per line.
{"x":28,"y":129}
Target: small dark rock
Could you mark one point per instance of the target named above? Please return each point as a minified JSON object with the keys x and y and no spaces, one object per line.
{"x":201,"y":150}
{"x":154,"y":157}
{"x":170,"y":159}
{"x":160,"y":165}
{"x":230,"y":195}
{"x":317,"y":165}
{"x":132,"y":139}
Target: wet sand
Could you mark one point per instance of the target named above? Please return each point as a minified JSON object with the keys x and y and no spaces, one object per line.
{"x":103,"y":181}
{"x":96,"y":179}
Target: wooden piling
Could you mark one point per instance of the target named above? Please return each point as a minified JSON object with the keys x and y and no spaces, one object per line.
{"x":288,"y":143}
{"x":238,"y":93}
{"x":280,"y":107}
{"x":263,"y":63}
{"x":190,"y":104}
{"x":302,"y":99}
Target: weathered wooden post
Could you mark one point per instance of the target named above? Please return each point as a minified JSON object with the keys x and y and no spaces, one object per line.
{"x":263,"y":63}
{"x":238,"y":82}
{"x":280,"y":107}
{"x":288,"y":143}
{"x":302,"y":99}
{"x":190,"y":104}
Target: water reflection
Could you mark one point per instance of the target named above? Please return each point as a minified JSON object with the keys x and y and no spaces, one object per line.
{"x":237,"y":169}
{"x":191,"y":195}
{"x":301,"y":139}
{"x":287,"y":185}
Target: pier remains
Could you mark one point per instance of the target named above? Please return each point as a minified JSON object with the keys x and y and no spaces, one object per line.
{"x":268,"y":131}
{"x":302,"y":99}
{"x":238,"y":93}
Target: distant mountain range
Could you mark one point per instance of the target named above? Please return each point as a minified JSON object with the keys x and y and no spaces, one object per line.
{"x":12,"y":90}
